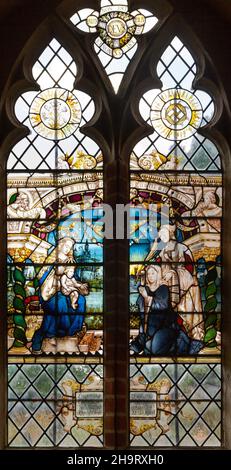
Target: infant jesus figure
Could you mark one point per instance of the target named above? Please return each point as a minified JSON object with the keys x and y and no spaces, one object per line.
{"x":71,"y":287}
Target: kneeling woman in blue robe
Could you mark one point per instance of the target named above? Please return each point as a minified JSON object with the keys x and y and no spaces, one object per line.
{"x":60,"y":318}
{"x":161,"y":332}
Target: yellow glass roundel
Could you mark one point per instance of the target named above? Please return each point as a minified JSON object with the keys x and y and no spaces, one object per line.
{"x":92,"y":21}
{"x":55,"y":113}
{"x":139,"y":20}
{"x":176,"y":114}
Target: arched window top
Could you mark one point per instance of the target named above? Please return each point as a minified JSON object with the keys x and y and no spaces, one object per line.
{"x":117,"y":29}
{"x":177,"y":112}
{"x":55,"y":72}
{"x":55,"y":67}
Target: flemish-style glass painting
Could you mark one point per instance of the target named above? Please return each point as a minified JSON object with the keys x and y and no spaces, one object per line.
{"x":55,"y":244}
{"x":175,"y":264}
{"x":55,"y":265}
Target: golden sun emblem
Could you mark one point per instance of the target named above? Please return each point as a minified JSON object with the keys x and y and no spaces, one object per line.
{"x":176,"y":114}
{"x":55,"y":113}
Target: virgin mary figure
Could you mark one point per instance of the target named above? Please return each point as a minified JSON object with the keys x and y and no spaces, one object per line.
{"x":161,"y":330}
{"x":60,"y":318}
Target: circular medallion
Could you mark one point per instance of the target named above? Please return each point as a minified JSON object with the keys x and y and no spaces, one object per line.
{"x":176,"y":114}
{"x":92,"y":21}
{"x":139,"y":20}
{"x":55,"y":113}
{"x":116,"y":28}
{"x":117,"y":53}
{"x":116,"y":31}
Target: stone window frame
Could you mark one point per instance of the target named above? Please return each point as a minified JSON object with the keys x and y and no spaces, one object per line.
{"x":116,"y":148}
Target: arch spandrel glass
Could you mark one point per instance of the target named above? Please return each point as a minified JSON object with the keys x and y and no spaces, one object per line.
{"x":55,"y":265}
{"x":175,"y":265}
{"x":117,"y":30}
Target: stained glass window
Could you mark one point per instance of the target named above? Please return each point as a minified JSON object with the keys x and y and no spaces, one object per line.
{"x":55,"y":264}
{"x":175,"y":264}
{"x":57,"y":378}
